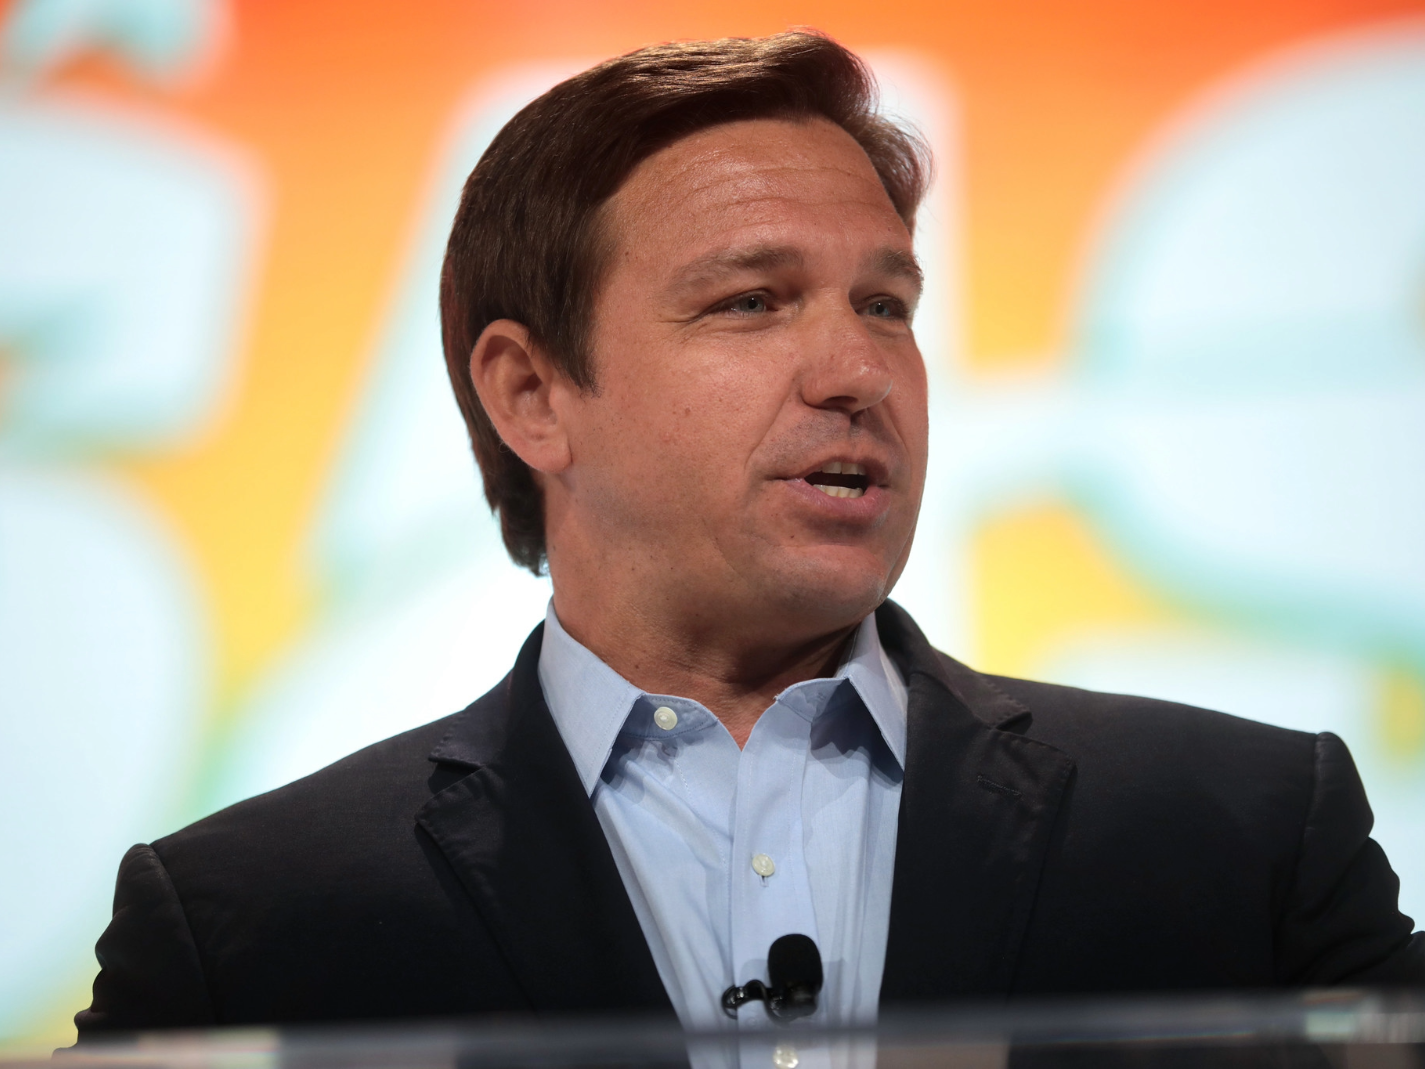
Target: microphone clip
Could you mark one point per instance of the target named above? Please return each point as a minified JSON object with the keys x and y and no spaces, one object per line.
{"x":794,"y":968}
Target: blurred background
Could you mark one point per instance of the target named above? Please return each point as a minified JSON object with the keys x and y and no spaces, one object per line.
{"x":1175,"y":324}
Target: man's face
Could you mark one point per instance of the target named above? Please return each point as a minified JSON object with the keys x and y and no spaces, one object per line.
{"x":756,"y":444}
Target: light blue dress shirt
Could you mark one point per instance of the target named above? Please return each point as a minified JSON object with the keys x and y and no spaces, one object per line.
{"x":694,"y":822}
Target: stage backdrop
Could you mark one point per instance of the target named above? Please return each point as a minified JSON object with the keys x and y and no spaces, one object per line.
{"x":1175,"y":324}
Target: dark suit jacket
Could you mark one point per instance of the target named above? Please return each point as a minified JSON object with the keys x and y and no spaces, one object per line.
{"x":1050,"y":840}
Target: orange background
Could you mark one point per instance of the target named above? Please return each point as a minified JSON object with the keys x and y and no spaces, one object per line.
{"x":342,"y":105}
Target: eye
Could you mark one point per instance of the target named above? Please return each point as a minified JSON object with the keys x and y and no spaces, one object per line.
{"x":885,"y":308}
{"x":747,"y":304}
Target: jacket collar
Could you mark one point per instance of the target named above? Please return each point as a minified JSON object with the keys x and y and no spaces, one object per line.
{"x":518,"y":829}
{"x":913,"y":655}
{"x":978,"y":805}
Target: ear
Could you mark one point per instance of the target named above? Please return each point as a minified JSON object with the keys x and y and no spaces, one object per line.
{"x":521,"y":390}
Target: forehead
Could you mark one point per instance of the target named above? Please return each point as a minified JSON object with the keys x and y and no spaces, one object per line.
{"x":738,"y":179}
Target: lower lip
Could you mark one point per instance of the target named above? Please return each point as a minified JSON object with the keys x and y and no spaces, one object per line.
{"x":869,"y":506}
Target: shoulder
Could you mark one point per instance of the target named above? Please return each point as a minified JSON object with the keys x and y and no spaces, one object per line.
{"x":1086,"y":717}
{"x":1139,"y":758}
{"x":1124,"y":745}
{"x":1136,"y":737}
{"x":1057,"y":709}
{"x":1085,"y":720}
{"x":350,"y":806}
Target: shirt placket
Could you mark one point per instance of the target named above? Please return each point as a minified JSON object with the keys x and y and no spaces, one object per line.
{"x":770,"y":889}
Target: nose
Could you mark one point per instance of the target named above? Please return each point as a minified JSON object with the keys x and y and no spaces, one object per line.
{"x":846,"y":370}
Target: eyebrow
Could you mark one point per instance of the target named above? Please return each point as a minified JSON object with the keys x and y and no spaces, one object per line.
{"x":715,"y":265}
{"x":898,"y":262}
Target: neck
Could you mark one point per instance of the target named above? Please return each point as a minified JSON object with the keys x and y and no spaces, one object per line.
{"x":735,"y":671}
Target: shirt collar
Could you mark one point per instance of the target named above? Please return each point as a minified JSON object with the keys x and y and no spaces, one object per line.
{"x":879,"y":683}
{"x":590,"y":702}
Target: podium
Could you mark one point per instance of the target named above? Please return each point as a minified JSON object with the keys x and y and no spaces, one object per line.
{"x":1330,"y":1029}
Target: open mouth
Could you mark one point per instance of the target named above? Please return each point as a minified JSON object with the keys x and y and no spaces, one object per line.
{"x":840,"y":479}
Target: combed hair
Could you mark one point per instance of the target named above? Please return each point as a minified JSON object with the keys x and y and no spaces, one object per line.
{"x":527,"y":243}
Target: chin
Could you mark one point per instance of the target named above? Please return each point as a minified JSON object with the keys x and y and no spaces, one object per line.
{"x":825,"y":591}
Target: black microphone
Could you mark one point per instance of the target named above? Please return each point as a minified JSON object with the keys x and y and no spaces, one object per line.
{"x":794,"y":975}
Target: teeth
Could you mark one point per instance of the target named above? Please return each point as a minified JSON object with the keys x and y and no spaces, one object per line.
{"x":837,"y":467}
{"x":840,"y":491}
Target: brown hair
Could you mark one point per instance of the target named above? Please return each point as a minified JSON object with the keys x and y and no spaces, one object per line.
{"x":527,"y":245}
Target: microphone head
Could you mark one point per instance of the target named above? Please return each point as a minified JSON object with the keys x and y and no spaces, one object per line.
{"x":794,"y":969}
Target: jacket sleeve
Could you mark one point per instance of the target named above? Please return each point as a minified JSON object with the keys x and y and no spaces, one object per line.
{"x":149,"y":972}
{"x":1340,"y":923}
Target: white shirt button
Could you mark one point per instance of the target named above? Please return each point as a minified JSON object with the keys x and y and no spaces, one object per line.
{"x":665,"y":718}
{"x":763,"y":865}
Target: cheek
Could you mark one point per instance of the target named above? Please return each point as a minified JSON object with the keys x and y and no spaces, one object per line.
{"x":653,"y":447}
{"x":914,"y":414}
{"x":705,"y":411}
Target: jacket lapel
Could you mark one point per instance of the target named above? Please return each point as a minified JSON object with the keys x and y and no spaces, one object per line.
{"x":519,"y":831}
{"x":977,"y":807}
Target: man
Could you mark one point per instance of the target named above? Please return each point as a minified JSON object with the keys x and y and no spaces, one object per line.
{"x":677,"y":307}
